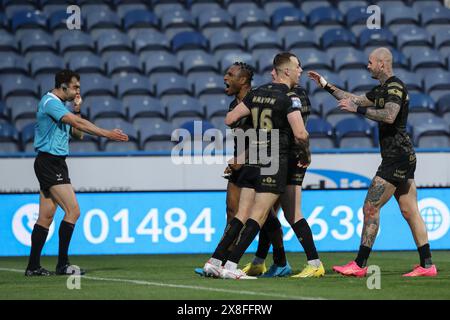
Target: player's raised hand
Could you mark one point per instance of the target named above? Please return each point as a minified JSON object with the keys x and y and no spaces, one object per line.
{"x":321,"y":81}
{"x":117,"y":135}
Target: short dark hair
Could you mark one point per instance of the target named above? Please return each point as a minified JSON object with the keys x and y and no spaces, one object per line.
{"x":65,"y":76}
{"x":282,"y":58}
{"x":246,"y":70}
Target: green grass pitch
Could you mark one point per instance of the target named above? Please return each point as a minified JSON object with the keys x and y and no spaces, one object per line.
{"x":171,"y":277}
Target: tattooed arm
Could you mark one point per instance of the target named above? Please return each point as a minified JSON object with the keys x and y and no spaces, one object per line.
{"x":387,"y":114}
{"x":339,"y":94}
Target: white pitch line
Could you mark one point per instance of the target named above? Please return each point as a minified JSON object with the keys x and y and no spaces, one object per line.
{"x":179,"y":286}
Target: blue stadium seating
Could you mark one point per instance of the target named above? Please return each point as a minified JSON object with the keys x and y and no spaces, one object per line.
{"x":321,"y":134}
{"x":74,"y":40}
{"x":357,"y":15}
{"x":96,"y":84}
{"x":104,"y":107}
{"x":22,"y":107}
{"x":4,"y":113}
{"x":234,"y":7}
{"x":46,"y":82}
{"x":435,"y":15}
{"x":426,"y":58}
{"x":378,"y":37}
{"x":133,"y":84}
{"x":407,"y":36}
{"x":214,"y":18}
{"x":346,"y":6}
{"x":216,"y":104}
{"x":251,"y":17}
{"x":28,"y":19}
{"x":437,"y":81}
{"x":338,"y":37}
{"x":288,"y":16}
{"x":101,"y":18}
{"x":300,"y":38}
{"x":27,"y":137}
{"x":155,"y":130}
{"x":401,"y":15}
{"x":325,"y":16}
{"x":419,"y":102}
{"x":184,"y":106}
{"x":9,"y":138}
{"x":124,"y":8}
{"x":36,"y":40}
{"x":160,"y":61}
{"x":435,"y":129}
{"x":228,"y":59}
{"x":160,"y":8}
{"x":86,"y":62}
{"x":199,"y":8}
{"x":122,"y":62}
{"x":313,"y":59}
{"x":7,"y":41}
{"x":442,"y":38}
{"x":349,"y":59}
{"x":143,"y":106}
{"x":177,"y":18}
{"x":140,"y":19}
{"x":12,"y":63}
{"x":89,"y":144}
{"x":309,"y":6}
{"x":199,"y":61}
{"x":167,"y":84}
{"x":207,"y":84}
{"x":189,"y":40}
{"x":354,"y":133}
{"x":112,"y":146}
{"x":263,"y":40}
{"x":358,"y":80}
{"x":112,"y":40}
{"x":58,"y":19}
{"x":18,"y":84}
{"x":149,"y":40}
{"x":423,"y":5}
{"x":412,"y":80}
{"x":226,"y":39}
{"x":46,"y":63}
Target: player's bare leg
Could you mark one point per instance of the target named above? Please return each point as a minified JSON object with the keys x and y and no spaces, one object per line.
{"x":406,"y":195}
{"x":380,"y":191}
{"x":64,"y":196}
{"x":233,"y":195}
{"x":47,"y":209}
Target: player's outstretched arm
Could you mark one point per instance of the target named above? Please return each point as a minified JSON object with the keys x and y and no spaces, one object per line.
{"x":88,"y":127}
{"x":339,"y":94}
{"x":301,"y":137}
{"x":239,"y":112}
{"x":386,"y":114}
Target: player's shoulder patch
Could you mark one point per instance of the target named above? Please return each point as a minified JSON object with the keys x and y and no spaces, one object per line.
{"x":395,"y":84}
{"x":296,"y":102}
{"x":396,"y":92}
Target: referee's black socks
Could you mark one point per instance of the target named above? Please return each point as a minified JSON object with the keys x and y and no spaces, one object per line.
{"x":229,"y":236}
{"x":65,"y":234}
{"x":38,"y":237}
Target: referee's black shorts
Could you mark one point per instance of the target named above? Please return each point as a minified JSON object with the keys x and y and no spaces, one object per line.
{"x":50,"y":170}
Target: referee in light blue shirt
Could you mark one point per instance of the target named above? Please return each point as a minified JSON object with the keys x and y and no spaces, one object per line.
{"x":55,"y":122}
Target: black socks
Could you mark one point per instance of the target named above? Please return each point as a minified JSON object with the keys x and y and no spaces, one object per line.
{"x":425,"y":256}
{"x":304,"y":235}
{"x":38,"y":237}
{"x":65,"y":234}
{"x":363,"y":256}
{"x":229,"y":236}
{"x":245,"y":238}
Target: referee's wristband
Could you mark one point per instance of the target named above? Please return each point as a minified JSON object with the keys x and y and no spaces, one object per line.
{"x":361,"y":110}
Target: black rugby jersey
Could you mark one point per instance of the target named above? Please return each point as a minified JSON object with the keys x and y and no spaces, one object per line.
{"x":300,"y":101}
{"x":269,"y":105}
{"x":394,"y":140}
{"x":244,"y":123}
